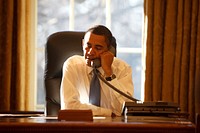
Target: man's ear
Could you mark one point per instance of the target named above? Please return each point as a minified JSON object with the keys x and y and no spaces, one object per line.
{"x":82,"y":42}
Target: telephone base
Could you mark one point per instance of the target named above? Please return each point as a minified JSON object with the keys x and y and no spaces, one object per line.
{"x":166,"y":109}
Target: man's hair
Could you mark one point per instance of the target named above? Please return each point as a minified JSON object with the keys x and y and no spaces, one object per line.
{"x":104,"y":31}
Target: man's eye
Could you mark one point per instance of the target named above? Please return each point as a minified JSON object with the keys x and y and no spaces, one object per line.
{"x":99,"y":48}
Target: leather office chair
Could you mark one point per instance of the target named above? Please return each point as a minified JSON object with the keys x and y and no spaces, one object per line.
{"x":59,"y":47}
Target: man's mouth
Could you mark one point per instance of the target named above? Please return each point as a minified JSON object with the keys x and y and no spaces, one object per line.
{"x":91,"y":59}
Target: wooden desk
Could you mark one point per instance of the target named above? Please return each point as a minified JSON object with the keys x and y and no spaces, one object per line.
{"x":110,"y":125}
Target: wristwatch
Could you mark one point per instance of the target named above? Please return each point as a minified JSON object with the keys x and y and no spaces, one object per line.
{"x":111,"y":77}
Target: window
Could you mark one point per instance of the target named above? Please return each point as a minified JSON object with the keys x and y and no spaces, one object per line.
{"x":123,"y":17}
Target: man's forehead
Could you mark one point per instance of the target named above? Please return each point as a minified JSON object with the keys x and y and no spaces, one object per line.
{"x":90,"y":37}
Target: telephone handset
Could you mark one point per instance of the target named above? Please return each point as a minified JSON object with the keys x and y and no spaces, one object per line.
{"x":97,"y":62}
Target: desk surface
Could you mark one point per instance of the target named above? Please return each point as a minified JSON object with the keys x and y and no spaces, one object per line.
{"x":136,"y":124}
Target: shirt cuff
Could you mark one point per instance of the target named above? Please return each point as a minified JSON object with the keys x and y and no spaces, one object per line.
{"x":102,"y":112}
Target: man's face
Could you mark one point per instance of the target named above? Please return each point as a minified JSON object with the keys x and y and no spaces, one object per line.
{"x":93,"y":46}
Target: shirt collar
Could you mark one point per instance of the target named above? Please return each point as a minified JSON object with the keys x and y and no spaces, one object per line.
{"x":89,"y":70}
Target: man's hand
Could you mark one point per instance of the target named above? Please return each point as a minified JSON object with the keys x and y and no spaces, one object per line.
{"x":106,"y":62}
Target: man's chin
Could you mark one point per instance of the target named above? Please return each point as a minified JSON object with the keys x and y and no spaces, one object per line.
{"x":88,"y":62}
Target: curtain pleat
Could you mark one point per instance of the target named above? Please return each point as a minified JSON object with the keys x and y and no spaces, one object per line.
{"x":193,"y":43}
{"x":6,"y":17}
{"x":169,"y":45}
{"x":149,"y":48}
{"x":158,"y":33}
{"x":197,"y":63}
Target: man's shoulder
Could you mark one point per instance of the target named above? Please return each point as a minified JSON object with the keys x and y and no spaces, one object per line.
{"x":75,"y":59}
{"x":119,"y":62}
{"x":120,"y":65}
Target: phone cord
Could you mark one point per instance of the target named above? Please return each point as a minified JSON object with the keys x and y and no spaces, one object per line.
{"x":114,"y":88}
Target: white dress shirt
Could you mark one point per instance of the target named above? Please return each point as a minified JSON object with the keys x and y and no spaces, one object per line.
{"x":75,"y":87}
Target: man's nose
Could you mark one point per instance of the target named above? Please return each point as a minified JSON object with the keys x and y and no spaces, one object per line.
{"x":91,"y":51}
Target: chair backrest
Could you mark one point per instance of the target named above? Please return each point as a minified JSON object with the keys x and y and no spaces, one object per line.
{"x":59,"y":47}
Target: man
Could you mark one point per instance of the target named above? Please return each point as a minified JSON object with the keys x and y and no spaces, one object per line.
{"x":78,"y":72}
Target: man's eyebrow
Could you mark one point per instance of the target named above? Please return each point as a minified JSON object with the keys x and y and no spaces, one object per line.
{"x":98,"y":45}
{"x":88,"y":43}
